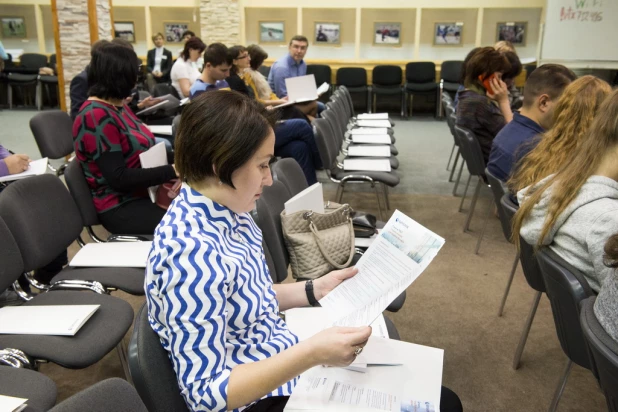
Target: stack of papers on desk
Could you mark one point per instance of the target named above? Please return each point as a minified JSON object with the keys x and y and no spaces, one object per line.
{"x":12,"y":404}
{"x":373,"y":123}
{"x":113,"y":254}
{"x":369,"y":150}
{"x":369,"y":165}
{"x":62,"y":320}
{"x":372,"y":116}
{"x":371,"y":139}
{"x":368,"y":130}
{"x":36,"y":167}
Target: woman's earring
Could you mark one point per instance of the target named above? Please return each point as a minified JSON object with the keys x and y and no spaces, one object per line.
{"x":220,"y":183}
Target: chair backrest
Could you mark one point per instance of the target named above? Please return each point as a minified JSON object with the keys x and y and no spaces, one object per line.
{"x":332,"y":134}
{"x":450,"y":71}
{"x":566,"y":288}
{"x":421,"y":72}
{"x":53,"y":133}
{"x":112,"y":394}
{"x":265,"y":70}
{"x":348,"y":96}
{"x":42,"y":216}
{"x":12,"y":265}
{"x":351,"y":77}
{"x":604,"y":351}
{"x":33,"y":60}
{"x":322,"y":135}
{"x":151,"y":369}
{"x":470,"y":151}
{"x":387,"y":75}
{"x":80,"y":191}
{"x":268,"y":218}
{"x":527,"y":254}
{"x":289,"y":172}
{"x":498,"y":189}
{"x":446,"y":98}
{"x":270,"y":262}
{"x":161,"y":89}
{"x":321,"y":72}
{"x":52,"y":60}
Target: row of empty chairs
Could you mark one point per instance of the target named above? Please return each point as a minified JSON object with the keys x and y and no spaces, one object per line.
{"x":26,"y":76}
{"x":581,"y":337}
{"x":419,"y":78}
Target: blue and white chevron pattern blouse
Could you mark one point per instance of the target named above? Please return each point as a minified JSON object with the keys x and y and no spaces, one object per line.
{"x":210,"y":298}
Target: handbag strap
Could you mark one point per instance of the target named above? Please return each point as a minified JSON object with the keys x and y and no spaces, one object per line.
{"x":330,"y":260}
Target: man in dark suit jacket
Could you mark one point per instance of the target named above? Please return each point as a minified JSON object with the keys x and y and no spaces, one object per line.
{"x":159,"y":61}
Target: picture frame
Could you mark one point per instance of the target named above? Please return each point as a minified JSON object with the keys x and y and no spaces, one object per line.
{"x":515,"y":32}
{"x":327,"y":33}
{"x":271,"y":31}
{"x":13,"y":27}
{"x":125,"y":30}
{"x":448,"y":34}
{"x":172,"y":31}
{"x":386,"y":33}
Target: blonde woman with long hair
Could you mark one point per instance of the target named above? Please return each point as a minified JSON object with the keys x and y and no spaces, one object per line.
{"x":573,"y":117}
{"x":575,"y":210}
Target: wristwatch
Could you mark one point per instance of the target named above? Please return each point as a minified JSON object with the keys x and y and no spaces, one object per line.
{"x":309,"y":291}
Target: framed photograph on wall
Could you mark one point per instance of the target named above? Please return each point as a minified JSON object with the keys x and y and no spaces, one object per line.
{"x":448,"y":34}
{"x":515,"y":32}
{"x":13,"y":27}
{"x":271,"y":31}
{"x":125,"y":30}
{"x":386,"y":33}
{"x":327,"y":33}
{"x":173,"y":31}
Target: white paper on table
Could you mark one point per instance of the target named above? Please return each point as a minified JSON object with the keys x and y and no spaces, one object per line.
{"x":154,"y":157}
{"x":398,"y":256}
{"x":35,"y":168}
{"x":373,"y":165}
{"x":164,"y":130}
{"x":373,"y":123}
{"x":61,"y":320}
{"x":368,"y":130}
{"x":372,"y":116}
{"x":113,"y":254}
{"x":12,"y":404}
{"x":418,"y":378}
{"x":312,"y":198}
{"x":301,"y":89}
{"x":369,"y":150}
{"x":371,"y":139}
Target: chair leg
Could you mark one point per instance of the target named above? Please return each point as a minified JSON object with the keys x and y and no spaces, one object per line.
{"x":368,"y":100}
{"x":487,"y":216}
{"x":450,"y":158}
{"x":122,"y":354}
{"x":450,"y":178}
{"x":374,"y":102}
{"x":439,"y":104}
{"x":458,"y":178}
{"x":375,"y":187}
{"x":508,"y":284}
{"x":38,"y":95}
{"x":477,"y":191}
{"x":339,"y":194}
{"x":10,"y":95}
{"x":463,"y":197}
{"x":524,"y":333}
{"x":410,"y":102}
{"x":561,"y":384}
{"x":386,"y":200}
{"x":403,"y":104}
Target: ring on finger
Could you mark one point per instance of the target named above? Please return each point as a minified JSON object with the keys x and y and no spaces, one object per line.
{"x":358,"y":350}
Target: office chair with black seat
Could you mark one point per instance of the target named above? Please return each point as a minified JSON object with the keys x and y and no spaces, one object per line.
{"x":25,"y":75}
{"x":450,"y":76}
{"x":386,"y":81}
{"x":421,"y":79}
{"x":355,"y":79}
{"x":566,"y":288}
{"x":53,"y":133}
{"x":322,"y":74}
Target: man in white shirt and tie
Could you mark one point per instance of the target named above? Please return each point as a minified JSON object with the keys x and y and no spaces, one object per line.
{"x":159,"y":62}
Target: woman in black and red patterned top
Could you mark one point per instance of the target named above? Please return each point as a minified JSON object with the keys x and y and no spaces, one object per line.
{"x":108,"y":141}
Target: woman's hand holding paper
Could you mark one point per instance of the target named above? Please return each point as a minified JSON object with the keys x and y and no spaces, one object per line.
{"x":330,"y":281}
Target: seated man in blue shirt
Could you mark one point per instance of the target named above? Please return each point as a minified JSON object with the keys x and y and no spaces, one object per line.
{"x":217,"y":65}
{"x":541,"y":93}
{"x":290,"y":65}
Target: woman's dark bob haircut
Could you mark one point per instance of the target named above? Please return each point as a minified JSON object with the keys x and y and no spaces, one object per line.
{"x":484,"y":62}
{"x":218,"y":133}
{"x":112,"y":72}
{"x":194,"y":43}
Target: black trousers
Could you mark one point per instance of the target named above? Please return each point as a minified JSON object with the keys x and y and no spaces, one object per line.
{"x":137,"y":217}
{"x":449,"y":402}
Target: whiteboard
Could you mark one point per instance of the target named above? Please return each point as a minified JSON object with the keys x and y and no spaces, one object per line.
{"x":584,"y":32}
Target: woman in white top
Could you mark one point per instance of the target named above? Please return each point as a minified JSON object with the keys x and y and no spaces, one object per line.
{"x":185,"y":72}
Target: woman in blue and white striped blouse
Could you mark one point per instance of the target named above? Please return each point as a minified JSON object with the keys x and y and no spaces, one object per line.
{"x":210,"y":296}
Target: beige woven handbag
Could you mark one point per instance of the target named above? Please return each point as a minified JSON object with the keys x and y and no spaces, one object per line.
{"x":318,"y":243}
